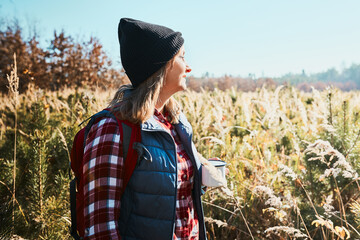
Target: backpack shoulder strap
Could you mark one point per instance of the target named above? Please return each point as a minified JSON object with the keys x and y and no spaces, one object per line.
{"x":131,"y":134}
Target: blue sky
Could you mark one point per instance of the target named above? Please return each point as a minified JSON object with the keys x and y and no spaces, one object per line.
{"x":235,"y":37}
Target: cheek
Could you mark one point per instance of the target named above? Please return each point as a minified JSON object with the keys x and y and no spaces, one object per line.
{"x":181,"y":70}
{"x":174,"y":74}
{"x":177,"y":71}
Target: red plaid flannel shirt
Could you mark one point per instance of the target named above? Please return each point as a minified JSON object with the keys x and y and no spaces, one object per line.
{"x":104,"y":171}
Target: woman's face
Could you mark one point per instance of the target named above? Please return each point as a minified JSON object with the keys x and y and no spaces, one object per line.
{"x":175,"y":73}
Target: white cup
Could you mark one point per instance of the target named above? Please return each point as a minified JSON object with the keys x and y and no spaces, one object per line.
{"x":213,"y":173}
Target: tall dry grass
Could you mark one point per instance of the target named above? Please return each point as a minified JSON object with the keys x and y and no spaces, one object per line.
{"x":13,"y":81}
{"x":270,"y":139}
{"x":293,"y":158}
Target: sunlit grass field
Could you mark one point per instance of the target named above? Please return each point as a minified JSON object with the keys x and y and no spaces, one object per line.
{"x":293,"y":159}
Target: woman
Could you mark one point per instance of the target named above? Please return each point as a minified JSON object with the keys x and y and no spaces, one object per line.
{"x":163,"y":197}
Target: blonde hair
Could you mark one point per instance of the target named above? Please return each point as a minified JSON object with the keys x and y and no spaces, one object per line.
{"x":138,"y":104}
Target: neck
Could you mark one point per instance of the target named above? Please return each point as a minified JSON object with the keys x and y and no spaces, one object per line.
{"x":160,"y":104}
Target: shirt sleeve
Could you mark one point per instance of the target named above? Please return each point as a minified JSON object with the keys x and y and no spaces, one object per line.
{"x":103,"y":174}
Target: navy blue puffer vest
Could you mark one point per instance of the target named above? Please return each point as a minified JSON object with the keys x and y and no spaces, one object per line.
{"x":148,"y":203}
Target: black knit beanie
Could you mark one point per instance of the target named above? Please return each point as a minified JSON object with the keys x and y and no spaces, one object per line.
{"x":145,"y":48}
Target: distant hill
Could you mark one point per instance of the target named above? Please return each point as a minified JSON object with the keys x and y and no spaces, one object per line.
{"x":346,"y":80}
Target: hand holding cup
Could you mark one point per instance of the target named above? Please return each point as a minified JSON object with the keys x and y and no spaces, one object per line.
{"x":213,"y":172}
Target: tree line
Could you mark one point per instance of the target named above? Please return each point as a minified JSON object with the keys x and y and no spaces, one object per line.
{"x":348,"y":79}
{"x":69,"y":63}
{"x":64,"y":63}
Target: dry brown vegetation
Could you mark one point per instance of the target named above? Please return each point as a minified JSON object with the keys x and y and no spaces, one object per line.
{"x":293,"y":159}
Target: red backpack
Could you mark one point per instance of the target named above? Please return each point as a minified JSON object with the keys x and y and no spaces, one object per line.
{"x":129,"y":134}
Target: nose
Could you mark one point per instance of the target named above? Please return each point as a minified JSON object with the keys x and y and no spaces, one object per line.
{"x":188,"y":69}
